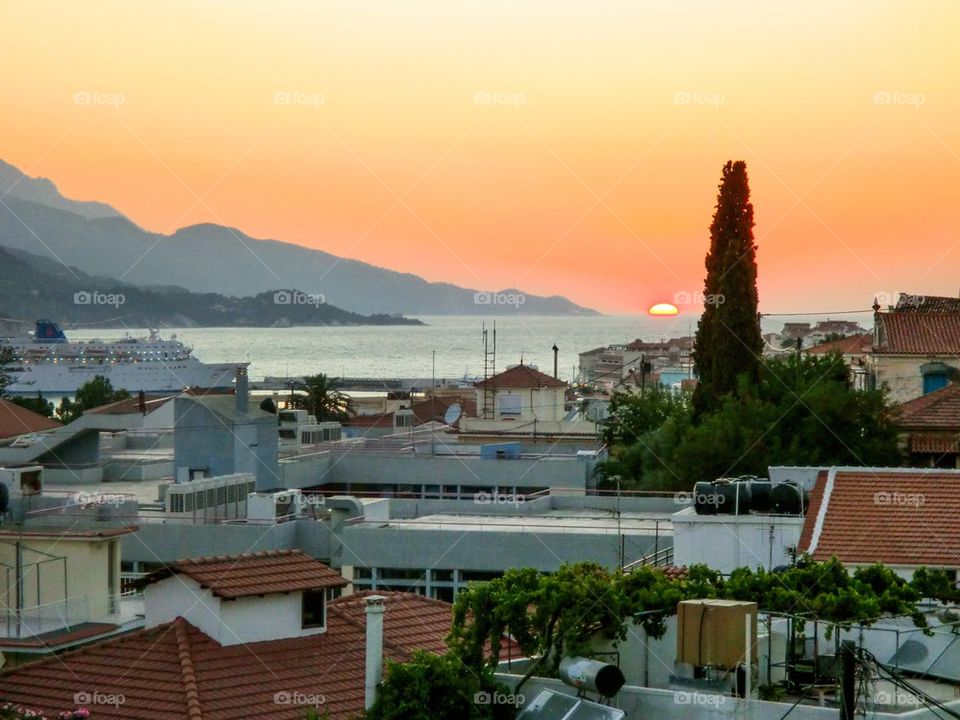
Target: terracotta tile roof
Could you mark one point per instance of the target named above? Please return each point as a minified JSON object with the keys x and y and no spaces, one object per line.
{"x":175,"y":671}
{"x":935,"y":443}
{"x":939,"y":409}
{"x":259,"y":573}
{"x":384,"y":420}
{"x":918,"y":333}
{"x":521,"y":377}
{"x":58,"y":638}
{"x":902,"y":518}
{"x":675,"y":572}
{"x":16,"y":420}
{"x":435,"y":408}
{"x":907,"y":302}
{"x":644,"y":345}
{"x":852,"y":345}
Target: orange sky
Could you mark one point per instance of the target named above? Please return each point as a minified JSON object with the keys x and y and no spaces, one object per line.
{"x":569,"y":148}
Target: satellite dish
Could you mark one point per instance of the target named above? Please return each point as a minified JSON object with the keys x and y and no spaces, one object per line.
{"x":452,"y":414}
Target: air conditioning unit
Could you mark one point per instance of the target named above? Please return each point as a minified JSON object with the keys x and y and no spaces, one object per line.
{"x":275,"y":506}
{"x":218,"y":498}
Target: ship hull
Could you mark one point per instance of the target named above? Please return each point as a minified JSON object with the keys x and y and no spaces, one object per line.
{"x":150,"y":377}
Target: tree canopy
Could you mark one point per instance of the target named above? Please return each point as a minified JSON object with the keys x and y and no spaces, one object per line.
{"x":321,"y":398}
{"x":728,"y":344}
{"x":93,"y":393}
{"x":803,"y":411}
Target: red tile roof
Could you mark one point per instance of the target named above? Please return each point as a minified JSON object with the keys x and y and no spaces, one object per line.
{"x":175,"y":671}
{"x":939,"y":409}
{"x":59,"y":638}
{"x":16,"y":420}
{"x":918,"y":333}
{"x":852,"y":345}
{"x":927,"y":303}
{"x":901,"y":518}
{"x":934,"y":443}
{"x":256,"y":573}
{"x":521,"y":377}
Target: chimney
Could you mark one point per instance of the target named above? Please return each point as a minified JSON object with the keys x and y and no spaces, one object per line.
{"x":374,"y":673}
{"x":242,"y":390}
{"x":555,"y":351}
{"x":142,"y":402}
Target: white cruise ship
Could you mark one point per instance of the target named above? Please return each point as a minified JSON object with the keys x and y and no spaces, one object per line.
{"x":49,"y":363}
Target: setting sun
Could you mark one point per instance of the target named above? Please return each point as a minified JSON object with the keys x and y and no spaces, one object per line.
{"x":663,"y":309}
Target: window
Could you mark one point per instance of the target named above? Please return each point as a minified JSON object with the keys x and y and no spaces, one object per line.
{"x":314,"y":605}
{"x":510,"y":405}
{"x":935,"y":376}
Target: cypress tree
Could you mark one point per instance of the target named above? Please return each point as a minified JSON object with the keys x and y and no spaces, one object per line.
{"x":728,"y":343}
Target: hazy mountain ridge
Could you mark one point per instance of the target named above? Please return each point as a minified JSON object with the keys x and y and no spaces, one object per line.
{"x":14,"y":183}
{"x":32,"y":287}
{"x":216,"y":259}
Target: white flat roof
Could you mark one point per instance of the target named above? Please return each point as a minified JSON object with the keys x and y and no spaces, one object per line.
{"x":587,"y":522}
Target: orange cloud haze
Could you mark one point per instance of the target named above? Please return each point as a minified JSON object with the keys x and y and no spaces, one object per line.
{"x":569,"y":148}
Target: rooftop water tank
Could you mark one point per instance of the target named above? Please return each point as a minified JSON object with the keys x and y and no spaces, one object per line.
{"x":788,"y":498}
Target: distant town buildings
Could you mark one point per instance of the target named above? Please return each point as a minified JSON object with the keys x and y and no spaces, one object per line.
{"x":666,"y":362}
{"x":916,"y":347}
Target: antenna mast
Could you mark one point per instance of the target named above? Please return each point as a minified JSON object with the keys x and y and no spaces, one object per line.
{"x":489,"y":370}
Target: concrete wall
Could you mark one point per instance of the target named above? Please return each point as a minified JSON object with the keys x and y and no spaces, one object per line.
{"x":87,"y":564}
{"x":542,"y":403}
{"x":304,"y":471}
{"x":271,"y":617}
{"x":901,"y":374}
{"x":726,"y":542}
{"x":230,"y":622}
{"x":166,"y":542}
{"x":470,"y":471}
{"x":205,"y":440}
{"x":395,"y":547}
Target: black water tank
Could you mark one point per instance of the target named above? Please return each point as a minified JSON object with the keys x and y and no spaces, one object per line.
{"x":705,"y":498}
{"x":734,"y":497}
{"x":760,"y":500}
{"x":788,"y":498}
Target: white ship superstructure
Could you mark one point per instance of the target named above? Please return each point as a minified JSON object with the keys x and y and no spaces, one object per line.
{"x":49,"y":363}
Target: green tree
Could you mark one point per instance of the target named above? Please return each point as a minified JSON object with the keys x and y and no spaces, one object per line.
{"x":93,"y":393}
{"x":322,"y":399}
{"x":581,"y":608}
{"x":728,"y":343}
{"x":6,"y":358}
{"x":38,"y":404}
{"x":439,"y":687}
{"x":632,"y":415}
{"x":630,"y":430}
{"x":804,"y":411}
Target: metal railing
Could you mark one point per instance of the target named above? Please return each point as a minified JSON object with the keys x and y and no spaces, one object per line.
{"x":44,"y":618}
{"x":660,"y":558}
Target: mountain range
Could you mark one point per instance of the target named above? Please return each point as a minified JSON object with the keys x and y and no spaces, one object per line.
{"x":33,"y":287}
{"x":97,"y":239}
